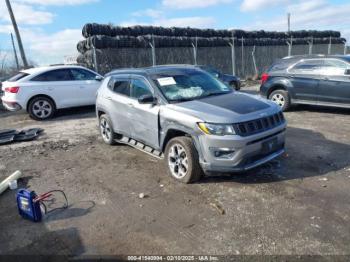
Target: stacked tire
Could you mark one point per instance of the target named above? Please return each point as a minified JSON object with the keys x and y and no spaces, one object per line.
{"x":106,"y":37}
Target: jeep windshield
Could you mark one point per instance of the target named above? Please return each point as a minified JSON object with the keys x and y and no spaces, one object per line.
{"x":180,"y":85}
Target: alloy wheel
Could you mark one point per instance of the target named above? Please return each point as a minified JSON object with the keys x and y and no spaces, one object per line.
{"x":178,"y":161}
{"x":42,"y":109}
{"x":106,"y":131}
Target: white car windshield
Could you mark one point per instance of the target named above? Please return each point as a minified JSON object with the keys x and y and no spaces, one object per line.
{"x":188,"y":84}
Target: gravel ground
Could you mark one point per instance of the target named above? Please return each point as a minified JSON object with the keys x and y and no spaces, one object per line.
{"x":296,"y":205}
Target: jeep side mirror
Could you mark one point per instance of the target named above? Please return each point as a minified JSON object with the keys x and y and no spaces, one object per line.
{"x":147,"y":99}
{"x":99,"y":78}
{"x":347,"y":72}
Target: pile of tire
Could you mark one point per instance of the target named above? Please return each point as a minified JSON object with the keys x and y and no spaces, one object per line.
{"x":93,"y":29}
{"x":103,"y":36}
{"x":124,"y":41}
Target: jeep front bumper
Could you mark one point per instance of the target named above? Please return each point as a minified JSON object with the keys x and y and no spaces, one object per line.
{"x":237,"y":154}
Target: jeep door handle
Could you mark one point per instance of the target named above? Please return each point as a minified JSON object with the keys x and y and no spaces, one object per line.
{"x":109,"y":98}
{"x":131,"y":104}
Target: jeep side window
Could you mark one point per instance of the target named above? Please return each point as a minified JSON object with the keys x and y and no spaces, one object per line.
{"x":139,"y":88}
{"x":120,"y":86}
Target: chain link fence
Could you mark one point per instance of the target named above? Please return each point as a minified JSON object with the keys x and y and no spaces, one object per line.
{"x":243,"y":61}
{"x":242,"y":53}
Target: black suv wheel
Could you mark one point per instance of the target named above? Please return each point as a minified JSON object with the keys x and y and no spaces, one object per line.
{"x":281,"y":98}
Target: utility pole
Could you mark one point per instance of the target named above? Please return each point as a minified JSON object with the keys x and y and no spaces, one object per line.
{"x":18,"y":36}
{"x":288,"y":19}
{"x":14,"y":51}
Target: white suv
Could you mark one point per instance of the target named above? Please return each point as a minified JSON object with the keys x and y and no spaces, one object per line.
{"x":41,"y":91}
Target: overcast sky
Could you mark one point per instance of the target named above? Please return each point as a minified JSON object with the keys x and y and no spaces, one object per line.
{"x":51,"y":28}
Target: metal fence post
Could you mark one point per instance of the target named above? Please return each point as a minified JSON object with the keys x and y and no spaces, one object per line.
{"x":345,"y":48}
{"x":195,"y":52}
{"x":94,"y":57}
{"x":242,"y":58}
{"x":311,"y":43}
{"x":330,"y":45}
{"x":233,"y":56}
{"x":290,"y":45}
{"x":152,"y":45}
{"x":254,"y":62}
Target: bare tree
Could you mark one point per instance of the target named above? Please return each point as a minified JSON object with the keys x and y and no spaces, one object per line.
{"x":7,"y":65}
{"x":3,"y":62}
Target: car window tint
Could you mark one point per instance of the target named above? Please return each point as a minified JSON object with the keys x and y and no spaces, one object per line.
{"x":120,"y":87}
{"x":211,"y":71}
{"x":308,"y":66}
{"x":55,"y":75}
{"x":334,"y":67}
{"x":336,"y":63}
{"x":139,"y":88}
{"x":280,"y":65}
{"x":18,"y":76}
{"x":82,"y":75}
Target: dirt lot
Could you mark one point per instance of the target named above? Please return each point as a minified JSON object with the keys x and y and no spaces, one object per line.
{"x":298,"y":204}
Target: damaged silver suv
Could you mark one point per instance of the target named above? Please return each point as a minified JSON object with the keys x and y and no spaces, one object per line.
{"x":189,"y":118}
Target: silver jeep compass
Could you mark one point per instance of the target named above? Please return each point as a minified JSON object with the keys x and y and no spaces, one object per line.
{"x":189,"y":118}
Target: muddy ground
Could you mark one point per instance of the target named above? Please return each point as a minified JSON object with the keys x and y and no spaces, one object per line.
{"x":298,"y":204}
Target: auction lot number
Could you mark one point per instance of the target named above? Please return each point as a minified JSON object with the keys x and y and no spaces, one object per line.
{"x":172,"y":258}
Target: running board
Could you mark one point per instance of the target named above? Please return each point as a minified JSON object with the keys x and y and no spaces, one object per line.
{"x":140,"y":146}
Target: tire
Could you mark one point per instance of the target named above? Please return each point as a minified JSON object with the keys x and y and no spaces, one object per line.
{"x":182,"y":149}
{"x":106,"y":130}
{"x":41,"y":108}
{"x":235,"y":86}
{"x":281,"y":98}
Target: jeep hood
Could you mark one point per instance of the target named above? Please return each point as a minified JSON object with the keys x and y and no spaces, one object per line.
{"x":228,"y":108}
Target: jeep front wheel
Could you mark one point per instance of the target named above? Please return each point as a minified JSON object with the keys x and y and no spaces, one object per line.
{"x":182,"y":160}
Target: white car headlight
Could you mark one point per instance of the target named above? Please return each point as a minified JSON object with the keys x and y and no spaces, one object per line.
{"x":217,"y":129}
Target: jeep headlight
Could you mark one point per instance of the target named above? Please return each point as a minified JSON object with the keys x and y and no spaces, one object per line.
{"x":217,"y":129}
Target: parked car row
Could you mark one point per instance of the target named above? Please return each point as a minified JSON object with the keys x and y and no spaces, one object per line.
{"x":183,"y":114}
{"x":190,"y":116}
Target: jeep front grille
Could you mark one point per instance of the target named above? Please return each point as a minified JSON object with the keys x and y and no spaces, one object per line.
{"x":259,"y":125}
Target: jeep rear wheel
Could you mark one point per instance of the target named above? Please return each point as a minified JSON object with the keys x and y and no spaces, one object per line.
{"x":182,"y":160}
{"x":281,"y":98}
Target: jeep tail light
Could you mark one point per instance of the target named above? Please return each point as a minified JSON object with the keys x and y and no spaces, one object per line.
{"x":264,"y":78}
{"x":13,"y":90}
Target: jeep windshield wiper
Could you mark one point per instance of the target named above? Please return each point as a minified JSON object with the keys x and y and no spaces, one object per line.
{"x":214,"y":93}
{"x":183,"y":99}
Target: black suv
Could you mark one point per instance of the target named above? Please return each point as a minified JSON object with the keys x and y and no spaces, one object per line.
{"x":230,"y":80}
{"x":315,"y":80}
